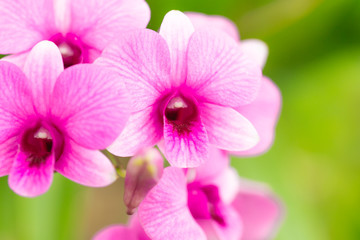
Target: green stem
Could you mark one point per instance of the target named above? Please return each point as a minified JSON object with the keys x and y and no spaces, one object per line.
{"x":119,"y":163}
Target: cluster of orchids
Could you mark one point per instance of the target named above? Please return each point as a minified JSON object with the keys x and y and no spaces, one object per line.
{"x":82,"y":76}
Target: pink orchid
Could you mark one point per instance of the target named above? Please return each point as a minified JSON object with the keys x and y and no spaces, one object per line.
{"x":55,"y":120}
{"x":264,"y":111}
{"x":80,"y":28}
{"x":185,"y":84}
{"x":215,"y":205}
{"x":142,"y":173}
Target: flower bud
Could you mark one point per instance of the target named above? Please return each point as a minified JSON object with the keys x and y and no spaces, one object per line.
{"x":142,"y":173}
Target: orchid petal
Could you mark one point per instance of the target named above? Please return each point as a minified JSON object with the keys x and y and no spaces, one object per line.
{"x":165,"y":209}
{"x":263,"y":113}
{"x":256,"y":49}
{"x":142,"y":130}
{"x":260,"y":211}
{"x":219,"y":71}
{"x":186,"y":149}
{"x":177,"y":29}
{"x":218,"y":162}
{"x":17,"y":59}
{"x":116,"y":232}
{"x":133,"y":231}
{"x":97,"y":22}
{"x":62,"y":15}
{"x":84,"y":166}
{"x":92,"y":105}
{"x":142,"y":60}
{"x":24,"y":23}
{"x":42,"y":67}
{"x":228,"y":183}
{"x":135,"y":225}
{"x":233,"y":226}
{"x":28,"y":179}
{"x":200,"y":21}
{"x":15,"y":100}
{"x":228,"y":129}
{"x":8,"y":151}
{"x":232,"y":229}
{"x":93,"y":54}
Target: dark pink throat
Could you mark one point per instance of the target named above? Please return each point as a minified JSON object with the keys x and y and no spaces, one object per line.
{"x":39,"y":142}
{"x":71,"y":48}
{"x":204,"y":202}
{"x":181,"y":112}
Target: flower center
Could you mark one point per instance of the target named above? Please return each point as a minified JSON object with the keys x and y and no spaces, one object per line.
{"x":204,"y":202}
{"x":39,"y":142}
{"x":181,"y":112}
{"x":70,"y":47}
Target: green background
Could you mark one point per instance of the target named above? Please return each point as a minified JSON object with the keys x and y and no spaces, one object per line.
{"x":314,"y":164}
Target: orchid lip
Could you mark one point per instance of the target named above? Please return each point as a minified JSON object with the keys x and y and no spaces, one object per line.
{"x":181,"y":111}
{"x":204,"y":202}
{"x":71,"y":48}
{"x":39,"y":142}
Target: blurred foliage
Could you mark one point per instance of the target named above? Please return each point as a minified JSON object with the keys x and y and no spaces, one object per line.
{"x":314,"y":164}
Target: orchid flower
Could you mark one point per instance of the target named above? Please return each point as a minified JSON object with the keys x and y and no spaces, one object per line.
{"x":184,"y":85}
{"x":80,"y":28}
{"x":56,"y":120}
{"x":212,"y":204}
{"x":217,"y":204}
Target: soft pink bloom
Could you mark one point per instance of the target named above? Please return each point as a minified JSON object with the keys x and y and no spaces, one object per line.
{"x":185,"y":85}
{"x":80,"y":28}
{"x":55,"y":120}
{"x":142,"y":173}
{"x":264,"y":111}
{"x":215,"y":205}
